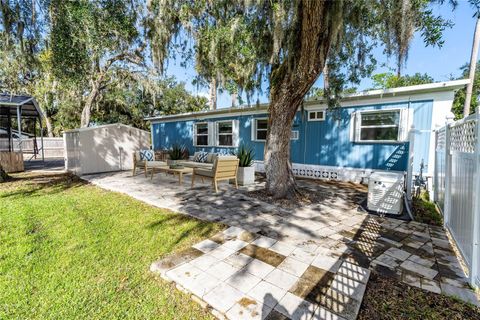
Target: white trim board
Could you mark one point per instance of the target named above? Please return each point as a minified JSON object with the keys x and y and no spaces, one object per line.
{"x":328,"y":172}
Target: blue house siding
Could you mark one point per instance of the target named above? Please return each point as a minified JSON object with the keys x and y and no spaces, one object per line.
{"x":323,"y":143}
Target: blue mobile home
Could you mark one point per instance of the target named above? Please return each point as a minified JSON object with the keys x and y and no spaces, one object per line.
{"x":370,"y":131}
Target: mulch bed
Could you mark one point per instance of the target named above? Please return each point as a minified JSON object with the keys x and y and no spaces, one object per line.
{"x":314,"y":191}
{"x":426,"y":212}
{"x":387,"y":298}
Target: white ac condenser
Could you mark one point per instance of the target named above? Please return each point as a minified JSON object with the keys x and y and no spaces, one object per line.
{"x":385,"y":192}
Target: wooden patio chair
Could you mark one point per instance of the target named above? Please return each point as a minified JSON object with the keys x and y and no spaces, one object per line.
{"x":224,"y":168}
{"x":146,"y":163}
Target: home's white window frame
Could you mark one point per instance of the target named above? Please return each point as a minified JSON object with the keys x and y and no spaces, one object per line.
{"x":195,"y":134}
{"x":295,"y":135}
{"x":234,"y":133}
{"x":255,"y":129}
{"x":405,"y":117}
{"x":315,"y":111}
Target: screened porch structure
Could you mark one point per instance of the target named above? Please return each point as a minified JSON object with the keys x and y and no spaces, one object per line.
{"x":20,"y":120}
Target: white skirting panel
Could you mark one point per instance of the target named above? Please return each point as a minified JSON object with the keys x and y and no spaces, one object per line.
{"x":326,"y":172}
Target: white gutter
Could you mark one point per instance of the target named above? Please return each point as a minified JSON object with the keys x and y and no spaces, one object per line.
{"x":436,"y":86}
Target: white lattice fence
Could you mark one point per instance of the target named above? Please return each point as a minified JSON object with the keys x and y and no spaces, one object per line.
{"x":457,"y":186}
{"x":463,"y":136}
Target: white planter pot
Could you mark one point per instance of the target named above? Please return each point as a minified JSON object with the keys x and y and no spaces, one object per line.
{"x":246,"y":175}
{"x":171,"y":163}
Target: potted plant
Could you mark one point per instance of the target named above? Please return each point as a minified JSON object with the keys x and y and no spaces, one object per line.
{"x":175,"y":153}
{"x":246,"y":170}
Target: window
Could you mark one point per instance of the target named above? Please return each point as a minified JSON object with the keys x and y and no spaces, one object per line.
{"x":381,"y":126}
{"x":316,"y":115}
{"x":220,"y":133}
{"x":225,"y":133}
{"x":201,"y":134}
{"x":260,"y":130}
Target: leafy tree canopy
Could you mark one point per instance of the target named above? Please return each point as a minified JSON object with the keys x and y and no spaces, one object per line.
{"x":127,"y":102}
{"x":245,"y":41}
{"x":87,"y":55}
{"x":459,"y":99}
{"x":389,"y":80}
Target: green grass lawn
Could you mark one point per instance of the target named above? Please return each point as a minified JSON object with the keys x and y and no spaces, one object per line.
{"x":71,"y":250}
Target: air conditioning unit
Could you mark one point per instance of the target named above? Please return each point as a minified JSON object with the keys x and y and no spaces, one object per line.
{"x":385,"y":192}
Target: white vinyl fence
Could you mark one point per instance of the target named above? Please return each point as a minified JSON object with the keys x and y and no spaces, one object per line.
{"x":457,"y":187}
{"x":52,"y":147}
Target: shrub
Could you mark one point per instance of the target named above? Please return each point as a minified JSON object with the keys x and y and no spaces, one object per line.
{"x":245,"y":156}
{"x":177,"y":152}
{"x":426,"y":211}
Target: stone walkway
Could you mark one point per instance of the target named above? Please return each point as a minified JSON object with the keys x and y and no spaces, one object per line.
{"x":336,"y":233}
{"x":241,"y":275}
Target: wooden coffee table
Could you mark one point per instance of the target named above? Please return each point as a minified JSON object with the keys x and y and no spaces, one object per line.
{"x":174,"y":171}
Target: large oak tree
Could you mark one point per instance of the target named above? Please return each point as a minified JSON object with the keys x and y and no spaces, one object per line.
{"x":91,"y":39}
{"x":84,"y":61}
{"x":289,"y":43}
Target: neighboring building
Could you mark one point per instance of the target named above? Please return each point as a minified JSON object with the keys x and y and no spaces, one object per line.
{"x":368,"y":132}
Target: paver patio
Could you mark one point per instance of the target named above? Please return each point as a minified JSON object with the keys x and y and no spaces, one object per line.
{"x":308,"y":262}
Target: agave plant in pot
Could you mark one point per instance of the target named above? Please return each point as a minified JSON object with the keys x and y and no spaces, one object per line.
{"x":246,"y":169}
{"x":176,"y":153}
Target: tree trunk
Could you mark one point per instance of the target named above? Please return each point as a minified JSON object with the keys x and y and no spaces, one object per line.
{"x":326,"y":78}
{"x":290,"y":81}
{"x":87,"y":108}
{"x":213,"y":94}
{"x":280,"y":179}
{"x":86,"y":114}
{"x":48,"y":123}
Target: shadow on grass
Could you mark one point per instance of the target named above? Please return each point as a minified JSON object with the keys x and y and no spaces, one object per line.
{"x":33,"y":185}
{"x":199,"y":228}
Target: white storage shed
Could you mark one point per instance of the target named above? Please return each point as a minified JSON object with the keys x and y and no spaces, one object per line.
{"x":103,"y":148}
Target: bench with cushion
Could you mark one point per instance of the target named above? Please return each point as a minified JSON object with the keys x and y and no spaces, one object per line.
{"x":145,"y":159}
{"x":200,"y":159}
